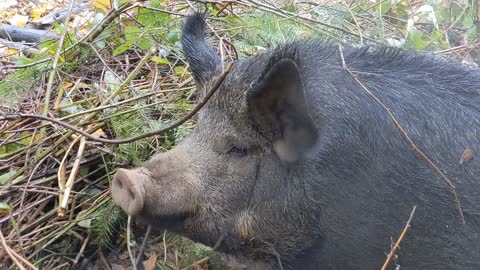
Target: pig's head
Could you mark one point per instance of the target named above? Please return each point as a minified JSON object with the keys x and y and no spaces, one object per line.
{"x":239,"y":175}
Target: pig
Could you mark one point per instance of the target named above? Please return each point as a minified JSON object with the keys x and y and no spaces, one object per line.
{"x":293,"y":165}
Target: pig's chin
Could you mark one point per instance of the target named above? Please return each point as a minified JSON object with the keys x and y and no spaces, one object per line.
{"x":173,"y":223}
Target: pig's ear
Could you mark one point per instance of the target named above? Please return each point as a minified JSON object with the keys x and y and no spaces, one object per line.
{"x":278,"y":106}
{"x":201,"y":56}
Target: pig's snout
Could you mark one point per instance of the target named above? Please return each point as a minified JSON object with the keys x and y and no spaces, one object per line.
{"x":128,"y":191}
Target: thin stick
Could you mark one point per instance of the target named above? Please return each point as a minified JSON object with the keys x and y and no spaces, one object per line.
{"x":202,"y":260}
{"x":9,"y":252}
{"x":132,"y":139}
{"x":144,"y":244}
{"x":130,"y":253}
{"x":56,"y":57}
{"x":61,"y":174}
{"x":82,"y":248}
{"x":14,"y":256}
{"x":164,"y":247}
{"x":73,"y":174}
{"x":397,"y":244}
{"x":404,"y":133}
{"x":20,"y":217}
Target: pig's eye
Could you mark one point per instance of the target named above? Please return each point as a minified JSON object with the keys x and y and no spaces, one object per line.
{"x":237,"y":151}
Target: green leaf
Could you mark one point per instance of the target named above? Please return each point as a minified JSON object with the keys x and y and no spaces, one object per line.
{"x":472,"y":32}
{"x":84,"y":170}
{"x":58,"y":28}
{"x":150,"y":18}
{"x":468,"y":21}
{"x":122,"y":48}
{"x":4,"y":177}
{"x":173,"y":37}
{"x":4,"y":207}
{"x":92,"y":191}
{"x":47,"y":44}
{"x":145,"y":16}
{"x":179,"y":70}
{"x":160,"y":60}
{"x":415,"y":40}
{"x":456,"y":9}
{"x":132,"y":33}
{"x":86,"y":223}
{"x":157,"y":4}
{"x":143,"y":43}
{"x":23,"y":61}
{"x":384,"y":7}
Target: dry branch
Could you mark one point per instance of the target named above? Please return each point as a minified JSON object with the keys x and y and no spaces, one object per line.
{"x":19,"y":46}
{"x":19,"y":34}
{"x":58,"y":15}
{"x":400,"y":238}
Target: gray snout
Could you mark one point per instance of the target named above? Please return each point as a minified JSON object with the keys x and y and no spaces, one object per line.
{"x":127,"y":191}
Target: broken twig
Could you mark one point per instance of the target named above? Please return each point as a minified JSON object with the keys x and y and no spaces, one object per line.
{"x":397,"y":244}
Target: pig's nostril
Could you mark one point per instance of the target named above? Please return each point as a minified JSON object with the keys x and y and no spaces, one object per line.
{"x":119,"y":184}
{"x":132,"y":196}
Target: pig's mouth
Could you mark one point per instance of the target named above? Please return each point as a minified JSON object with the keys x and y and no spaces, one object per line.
{"x":171,"y":222}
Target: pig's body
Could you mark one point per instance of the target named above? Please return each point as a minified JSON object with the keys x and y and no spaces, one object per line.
{"x":364,"y":175}
{"x":322,"y":179}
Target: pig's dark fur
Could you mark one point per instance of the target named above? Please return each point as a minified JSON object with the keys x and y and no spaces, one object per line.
{"x":340,"y":194}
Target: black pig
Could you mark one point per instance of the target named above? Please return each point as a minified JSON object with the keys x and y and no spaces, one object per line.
{"x":294,"y":165}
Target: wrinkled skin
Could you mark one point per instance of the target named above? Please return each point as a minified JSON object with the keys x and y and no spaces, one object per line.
{"x":292,"y":162}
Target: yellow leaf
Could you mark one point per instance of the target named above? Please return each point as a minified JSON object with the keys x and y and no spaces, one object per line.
{"x":99,"y":133}
{"x":104,"y":5}
{"x":10,"y":51}
{"x":18,"y":20}
{"x":67,"y":85}
{"x":37,"y":13}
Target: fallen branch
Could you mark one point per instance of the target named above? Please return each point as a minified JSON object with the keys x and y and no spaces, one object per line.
{"x":19,"y":46}
{"x":19,"y":34}
{"x":57,"y":15}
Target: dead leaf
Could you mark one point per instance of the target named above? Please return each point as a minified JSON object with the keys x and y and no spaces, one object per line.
{"x":150,"y":263}
{"x":5,"y":4}
{"x":37,"y":13}
{"x":67,"y":84}
{"x":104,"y":5}
{"x":10,"y":51}
{"x":18,"y":20}
{"x":118,"y":267}
{"x":466,"y":156}
{"x":201,"y":266}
